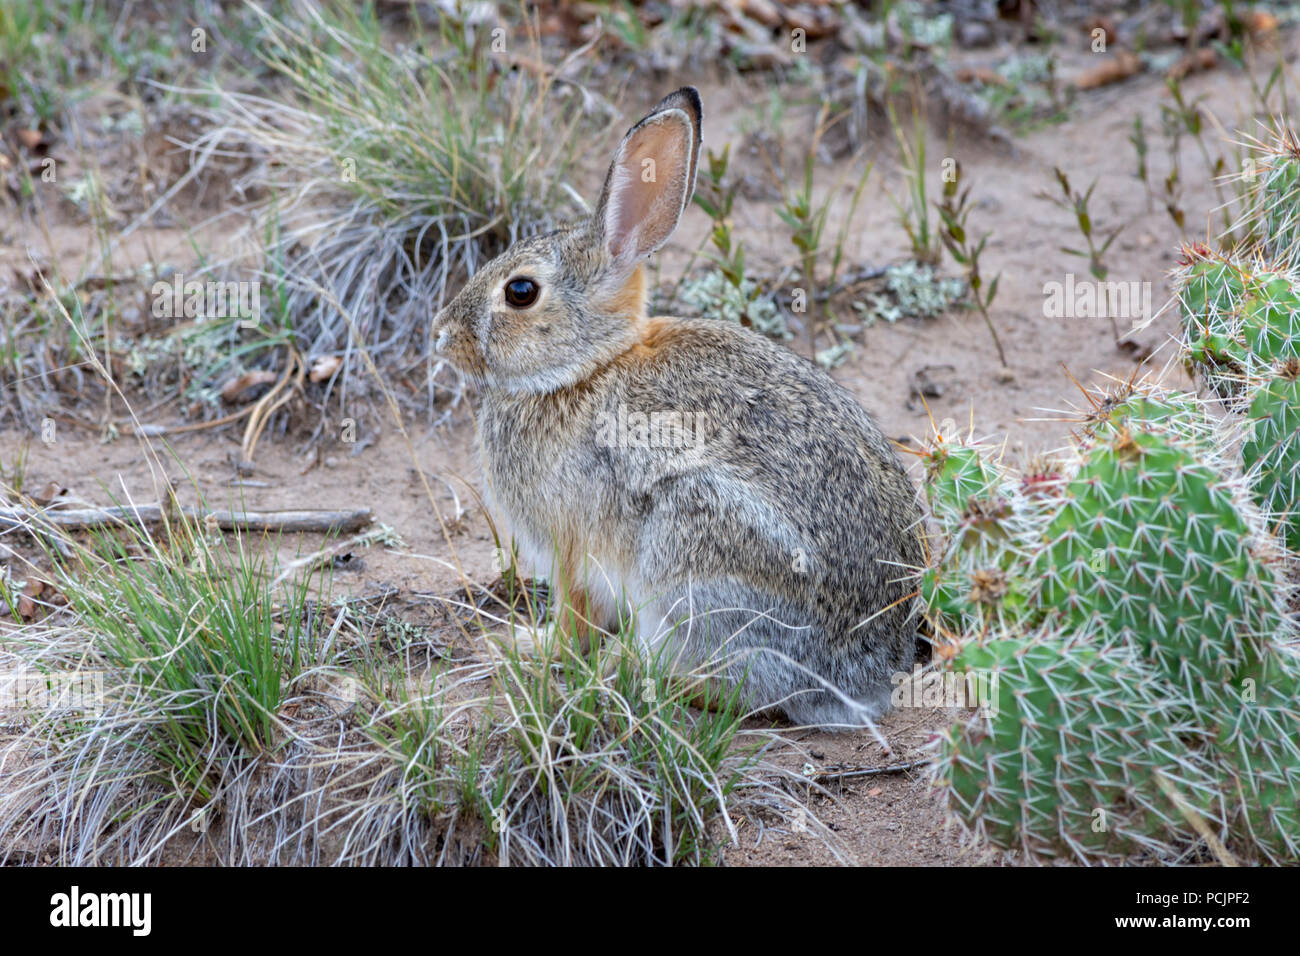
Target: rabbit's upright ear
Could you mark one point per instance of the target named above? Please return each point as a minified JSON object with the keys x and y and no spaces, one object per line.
{"x":650,"y":180}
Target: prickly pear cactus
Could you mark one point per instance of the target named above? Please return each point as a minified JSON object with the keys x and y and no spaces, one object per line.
{"x":1275,"y":209}
{"x":985,"y":521}
{"x":1148,"y":681}
{"x":1259,"y":748}
{"x":1271,"y":455}
{"x":1156,"y":548}
{"x":1239,"y":318}
{"x":1147,"y":691}
{"x":1079,"y":754}
{"x":1145,"y":405}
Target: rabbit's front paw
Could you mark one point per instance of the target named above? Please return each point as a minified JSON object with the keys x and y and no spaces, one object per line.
{"x":525,"y":641}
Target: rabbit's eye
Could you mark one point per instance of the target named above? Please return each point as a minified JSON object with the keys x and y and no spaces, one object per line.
{"x":521,"y":293}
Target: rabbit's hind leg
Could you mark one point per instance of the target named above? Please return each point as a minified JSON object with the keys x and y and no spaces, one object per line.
{"x":730,"y":633}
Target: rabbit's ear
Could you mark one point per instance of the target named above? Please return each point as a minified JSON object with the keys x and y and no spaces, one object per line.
{"x":650,"y":181}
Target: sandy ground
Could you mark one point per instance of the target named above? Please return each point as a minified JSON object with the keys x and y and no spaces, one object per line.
{"x":887,"y":819}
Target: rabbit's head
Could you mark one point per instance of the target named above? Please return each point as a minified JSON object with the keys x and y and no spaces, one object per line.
{"x":553,"y":308}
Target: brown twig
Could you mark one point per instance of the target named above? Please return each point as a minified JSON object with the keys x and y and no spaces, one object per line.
{"x":81,"y":519}
{"x":829,"y":776}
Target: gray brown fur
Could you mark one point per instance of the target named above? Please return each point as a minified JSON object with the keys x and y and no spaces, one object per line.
{"x":697,"y":546}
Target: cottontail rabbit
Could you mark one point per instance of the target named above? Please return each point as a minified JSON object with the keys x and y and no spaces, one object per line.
{"x":686,"y":476}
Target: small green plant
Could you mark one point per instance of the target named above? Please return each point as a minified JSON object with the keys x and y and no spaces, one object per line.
{"x":806,"y":220}
{"x":912,"y":291}
{"x":965,"y":251}
{"x":1024,"y":90}
{"x":717,"y":198}
{"x":1189,"y":11}
{"x":915,"y":215}
{"x":1190,"y":116}
{"x":13,"y":476}
{"x":713,"y":295}
{"x":1077,"y":203}
{"x":745,"y":301}
{"x":26,"y":35}
{"x":1140,"y":146}
{"x":411,"y":727}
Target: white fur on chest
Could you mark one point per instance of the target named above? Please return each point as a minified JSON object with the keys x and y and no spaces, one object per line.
{"x":550,"y":529}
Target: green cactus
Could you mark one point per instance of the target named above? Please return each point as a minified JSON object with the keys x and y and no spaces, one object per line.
{"x":1259,"y":747}
{"x":1148,"y":667}
{"x":1239,"y":318}
{"x":1271,"y":455}
{"x":984,"y":520}
{"x":1144,"y":405}
{"x":1158,"y":549}
{"x":1146,"y":685}
{"x":1080,"y":754}
{"x":1275,"y":209}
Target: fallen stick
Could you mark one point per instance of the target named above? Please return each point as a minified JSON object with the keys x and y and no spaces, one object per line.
{"x":323,"y":522}
{"x":84,"y":519}
{"x":848,"y":773}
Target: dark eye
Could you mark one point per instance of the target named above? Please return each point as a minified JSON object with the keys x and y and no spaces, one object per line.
{"x":521,"y":293}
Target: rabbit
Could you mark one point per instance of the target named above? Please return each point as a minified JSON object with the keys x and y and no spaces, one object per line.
{"x":689,"y":479}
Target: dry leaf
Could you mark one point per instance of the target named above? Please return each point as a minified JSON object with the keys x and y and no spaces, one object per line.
{"x":31,"y":138}
{"x":1193,"y":62}
{"x":1262,"y":26}
{"x":1119,"y":67}
{"x":764,"y":11}
{"x":27,"y":599}
{"x":946,"y":650}
{"x":49,"y":493}
{"x":325,"y":367}
{"x":982,"y":74}
{"x":232,"y":390}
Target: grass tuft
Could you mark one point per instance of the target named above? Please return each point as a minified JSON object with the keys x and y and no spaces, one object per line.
{"x":394,"y":170}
